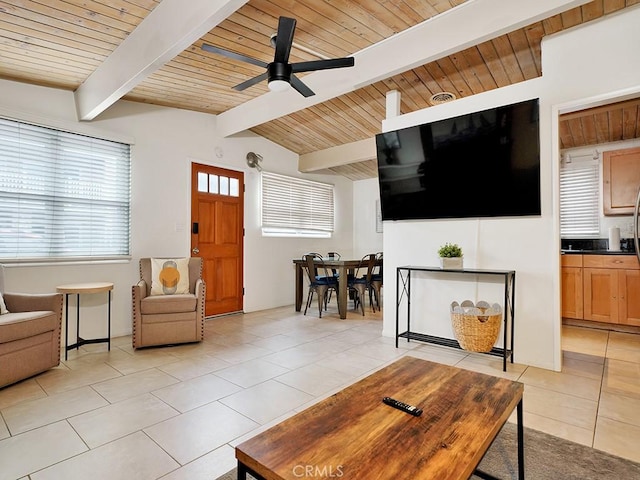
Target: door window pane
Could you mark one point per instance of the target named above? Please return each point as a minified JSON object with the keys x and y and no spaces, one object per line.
{"x":213,"y":183}
{"x":203,"y":181}
{"x":224,"y":185}
{"x":234,"y":187}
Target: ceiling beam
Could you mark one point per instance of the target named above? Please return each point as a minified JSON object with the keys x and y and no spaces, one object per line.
{"x":468,"y":24}
{"x":353,"y":152}
{"x":339,"y":155}
{"x":171,"y":27}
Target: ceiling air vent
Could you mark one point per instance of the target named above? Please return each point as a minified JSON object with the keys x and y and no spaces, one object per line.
{"x":441,"y":97}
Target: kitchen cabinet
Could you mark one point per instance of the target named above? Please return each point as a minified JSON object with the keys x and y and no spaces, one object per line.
{"x":572,"y":289}
{"x":610,"y":289}
{"x":629,"y":291}
{"x":620,"y":180}
{"x":601,"y":295}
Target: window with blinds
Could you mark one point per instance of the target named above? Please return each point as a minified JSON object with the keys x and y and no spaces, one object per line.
{"x":296,"y":207}
{"x":62,"y":195}
{"x":579,"y":196}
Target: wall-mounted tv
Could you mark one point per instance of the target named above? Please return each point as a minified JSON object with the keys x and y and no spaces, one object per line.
{"x":482,"y":164}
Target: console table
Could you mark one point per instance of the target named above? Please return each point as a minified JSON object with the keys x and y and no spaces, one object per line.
{"x":403,"y":290}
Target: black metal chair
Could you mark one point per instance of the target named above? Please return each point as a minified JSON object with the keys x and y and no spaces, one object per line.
{"x":360,"y":285}
{"x":376,"y":279}
{"x":320,"y":281}
{"x":334,"y":271}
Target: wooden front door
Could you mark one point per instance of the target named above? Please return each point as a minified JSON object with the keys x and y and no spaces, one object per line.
{"x":217,"y":226}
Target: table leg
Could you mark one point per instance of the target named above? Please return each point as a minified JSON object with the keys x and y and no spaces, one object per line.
{"x":520,"y":441}
{"x":520,"y":435}
{"x":66,"y":325}
{"x":342,"y":291}
{"x":243,"y":470}
{"x":299,"y":274}
{"x":109,"y":321}
{"x":77,"y":321}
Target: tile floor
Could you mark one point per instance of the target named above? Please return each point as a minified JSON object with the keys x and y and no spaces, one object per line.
{"x":177,"y":412}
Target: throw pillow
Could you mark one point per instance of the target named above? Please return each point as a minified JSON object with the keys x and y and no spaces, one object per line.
{"x":169,"y":276}
{"x":3,"y":306}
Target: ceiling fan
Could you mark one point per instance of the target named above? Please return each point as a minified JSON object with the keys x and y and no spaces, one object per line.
{"x":280,"y":73}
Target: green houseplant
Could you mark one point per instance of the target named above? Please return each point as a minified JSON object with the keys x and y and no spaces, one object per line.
{"x":450,"y":255}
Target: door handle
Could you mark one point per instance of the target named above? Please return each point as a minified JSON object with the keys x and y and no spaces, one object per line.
{"x":195,"y":250}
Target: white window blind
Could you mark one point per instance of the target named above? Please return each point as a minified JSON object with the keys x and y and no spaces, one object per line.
{"x":296,"y":207}
{"x":579,"y":194}
{"x":62,"y":195}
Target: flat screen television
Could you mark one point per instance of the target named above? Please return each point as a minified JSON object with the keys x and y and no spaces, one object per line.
{"x":482,"y":164}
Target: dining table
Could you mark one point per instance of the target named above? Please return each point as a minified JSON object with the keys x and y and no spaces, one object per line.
{"x":343,"y":267}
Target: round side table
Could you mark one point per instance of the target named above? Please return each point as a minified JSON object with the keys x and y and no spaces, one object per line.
{"x":78,"y":289}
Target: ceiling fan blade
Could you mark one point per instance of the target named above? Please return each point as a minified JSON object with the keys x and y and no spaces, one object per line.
{"x":301,"y":87}
{"x":251,"y":82}
{"x":322,"y":64}
{"x":233,"y":55}
{"x":284,"y":39}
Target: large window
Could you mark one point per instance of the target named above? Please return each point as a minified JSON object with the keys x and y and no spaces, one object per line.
{"x":296,"y":207}
{"x":62,"y":195}
{"x":579,"y":197}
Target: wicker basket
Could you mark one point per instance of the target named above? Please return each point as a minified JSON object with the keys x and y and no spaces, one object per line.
{"x":476,"y":327}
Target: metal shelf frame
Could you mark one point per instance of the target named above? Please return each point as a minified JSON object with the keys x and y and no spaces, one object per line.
{"x":403,"y":291}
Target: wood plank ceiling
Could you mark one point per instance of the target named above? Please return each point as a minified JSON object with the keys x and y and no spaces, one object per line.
{"x":605,"y":124}
{"x":59,"y":43}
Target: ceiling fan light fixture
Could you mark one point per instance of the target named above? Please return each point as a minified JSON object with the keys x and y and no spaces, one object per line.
{"x":278,"y":76}
{"x":278,"y":85}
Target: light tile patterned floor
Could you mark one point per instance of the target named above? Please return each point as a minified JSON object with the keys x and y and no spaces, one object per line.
{"x":177,"y":412}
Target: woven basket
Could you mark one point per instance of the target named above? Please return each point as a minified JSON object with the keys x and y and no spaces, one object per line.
{"x":476,"y":327}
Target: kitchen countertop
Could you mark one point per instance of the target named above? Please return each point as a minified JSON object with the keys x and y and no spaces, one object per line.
{"x":595,"y":252}
{"x":595,"y":246}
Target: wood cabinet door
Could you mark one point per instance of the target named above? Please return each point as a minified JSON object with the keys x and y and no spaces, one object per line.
{"x":572,"y":292}
{"x":601,"y":294}
{"x":629,"y":291}
{"x":621,"y":180}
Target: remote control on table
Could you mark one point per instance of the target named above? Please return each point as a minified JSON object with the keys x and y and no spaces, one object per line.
{"x":410,"y":409}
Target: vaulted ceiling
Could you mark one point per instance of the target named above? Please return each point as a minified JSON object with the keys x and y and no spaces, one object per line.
{"x":86,"y":46}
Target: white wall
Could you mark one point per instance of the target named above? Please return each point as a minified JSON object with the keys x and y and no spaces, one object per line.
{"x":166,"y":141}
{"x":583,"y":65}
{"x":365,"y":238}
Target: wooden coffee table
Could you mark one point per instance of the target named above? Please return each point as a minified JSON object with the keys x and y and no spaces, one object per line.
{"x":353,"y":435}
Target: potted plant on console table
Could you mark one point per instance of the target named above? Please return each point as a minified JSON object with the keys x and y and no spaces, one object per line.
{"x":450,"y":256}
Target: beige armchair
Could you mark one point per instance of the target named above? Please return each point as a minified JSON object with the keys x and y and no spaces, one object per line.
{"x":29,"y":334}
{"x":168,"y":319}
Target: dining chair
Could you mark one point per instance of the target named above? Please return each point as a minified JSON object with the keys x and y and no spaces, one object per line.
{"x":334,"y":271}
{"x":376,"y":279}
{"x":360,"y":285}
{"x":320,"y":281}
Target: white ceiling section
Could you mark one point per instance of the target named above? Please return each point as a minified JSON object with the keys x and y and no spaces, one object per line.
{"x":170,"y":28}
